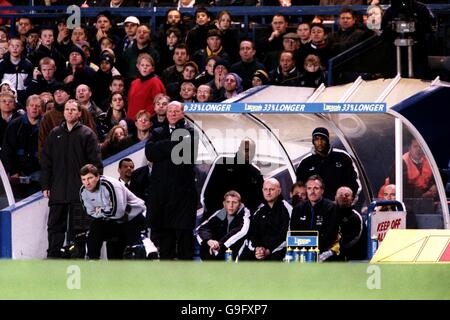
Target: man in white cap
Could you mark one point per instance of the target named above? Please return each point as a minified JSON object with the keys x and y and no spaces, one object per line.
{"x":130,"y":25}
{"x":334,"y":166}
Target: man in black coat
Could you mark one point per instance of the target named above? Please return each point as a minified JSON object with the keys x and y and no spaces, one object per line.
{"x":268,"y":226}
{"x":173,"y":201}
{"x":353,"y":230}
{"x":68,"y":147}
{"x":234,"y":173}
{"x":333,"y":165}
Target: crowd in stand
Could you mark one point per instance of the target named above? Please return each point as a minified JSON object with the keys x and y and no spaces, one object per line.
{"x":69,"y":98}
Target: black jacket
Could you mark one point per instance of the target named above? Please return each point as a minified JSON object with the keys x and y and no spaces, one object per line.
{"x":353,"y":232}
{"x":173,"y":200}
{"x":291,"y":80}
{"x":246,"y":70}
{"x":269,"y":226}
{"x":228,"y":234}
{"x":336,"y":170}
{"x":321,"y":218}
{"x":20,"y":147}
{"x":63,"y":155}
{"x":225,"y":175}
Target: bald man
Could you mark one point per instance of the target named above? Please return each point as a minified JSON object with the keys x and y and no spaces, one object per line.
{"x":268,"y":226}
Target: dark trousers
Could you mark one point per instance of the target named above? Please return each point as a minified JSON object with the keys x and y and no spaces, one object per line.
{"x":100,"y":230}
{"x":59,"y":215}
{"x":174,"y":243}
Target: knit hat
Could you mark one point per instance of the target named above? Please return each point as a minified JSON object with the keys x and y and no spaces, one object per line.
{"x":238,"y":79}
{"x":77,"y":50}
{"x":60,"y":86}
{"x":222,"y":62}
{"x":321,"y":131}
{"x":214,"y":33}
{"x":262,"y":75}
{"x":107,"y":57}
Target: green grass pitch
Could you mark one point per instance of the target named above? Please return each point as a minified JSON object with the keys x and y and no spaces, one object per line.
{"x":199,"y":280}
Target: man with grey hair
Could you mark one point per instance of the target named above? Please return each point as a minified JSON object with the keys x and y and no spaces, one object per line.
{"x":173,"y":200}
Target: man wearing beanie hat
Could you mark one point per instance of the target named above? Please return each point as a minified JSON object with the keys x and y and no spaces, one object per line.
{"x":221,"y":69}
{"x":260,"y":77}
{"x":213,"y":49}
{"x":77,"y":72}
{"x":334,"y":166}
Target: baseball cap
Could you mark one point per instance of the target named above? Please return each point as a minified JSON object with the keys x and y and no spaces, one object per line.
{"x":132,"y":19}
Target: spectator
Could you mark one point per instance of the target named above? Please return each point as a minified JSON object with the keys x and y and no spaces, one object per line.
{"x":115,"y":115}
{"x":47,"y":49}
{"x":348,"y":34}
{"x":220,"y":71}
{"x":230,"y":39}
{"x":213,"y":48}
{"x":47,"y":101}
{"x":268,"y":226}
{"x":8,"y":112}
{"x":387,"y":192}
{"x":319,"y":45}
{"x":103,"y":28}
{"x":125,"y":169}
{"x":208,"y":74}
{"x":116,"y":140}
{"x":16,"y":69}
{"x":286,"y":74}
{"x":333,"y":165}
{"x":204,"y":93}
{"x":130,"y":25}
{"x":291,"y":43}
{"x":173,"y":199}
{"x":83,"y":94}
{"x":20,"y":147}
{"x":24,"y":26}
{"x":167,"y":50}
{"x":274,"y":42}
{"x":234,"y":173}
{"x":225,"y":229}
{"x":3,"y":48}
{"x":187,"y":91}
{"x":196,"y":37}
{"x":313,"y":74}
{"x":103,"y":78}
{"x":115,"y":210}
{"x":232,"y":85}
{"x":260,"y":77}
{"x":143,"y":126}
{"x":77,"y":71}
{"x":44,"y":77}
{"x":353,"y":230}
{"x":374,"y":18}
{"x":298,"y":194}
{"x":173,"y":20}
{"x":141,"y":45}
{"x":117,"y":85}
{"x":59,"y":177}
{"x":318,"y":214}
{"x":247,"y":65}
{"x":159,"y":119}
{"x":304,"y":33}
{"x":341,"y":2}
{"x":190,"y":71}
{"x":144,"y":89}
{"x":174,"y":73}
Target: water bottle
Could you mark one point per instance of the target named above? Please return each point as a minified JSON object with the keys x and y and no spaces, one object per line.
{"x":229,"y":255}
{"x":289,"y":255}
{"x":302,"y":255}
{"x":296,"y":255}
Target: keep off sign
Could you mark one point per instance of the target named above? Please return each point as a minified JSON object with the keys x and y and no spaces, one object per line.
{"x":382,"y":221}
